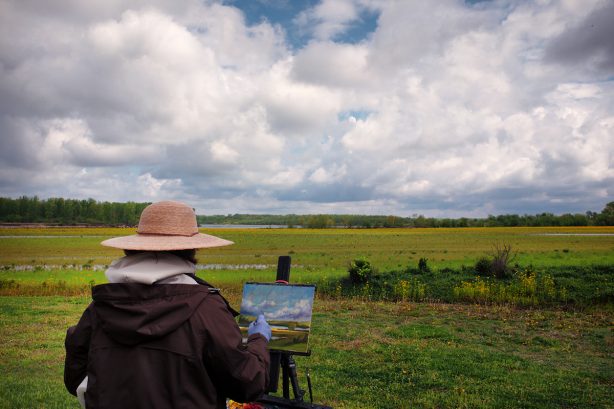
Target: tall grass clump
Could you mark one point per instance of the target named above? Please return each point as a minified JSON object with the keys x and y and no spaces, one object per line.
{"x":526,"y":287}
{"x":497,"y":263}
{"x":409,"y":290}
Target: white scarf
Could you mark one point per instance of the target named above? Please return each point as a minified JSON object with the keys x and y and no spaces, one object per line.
{"x":151,"y":267}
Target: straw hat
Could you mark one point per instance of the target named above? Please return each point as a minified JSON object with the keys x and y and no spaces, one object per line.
{"x":164,"y":226}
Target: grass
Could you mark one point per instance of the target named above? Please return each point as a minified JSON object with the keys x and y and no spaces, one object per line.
{"x":43,"y":281}
{"x":373,"y":355}
{"x":577,"y":286}
{"x":566,"y":286}
{"x":450,"y":356}
{"x":329,"y":249}
{"x":366,"y":353}
{"x":32,"y":331}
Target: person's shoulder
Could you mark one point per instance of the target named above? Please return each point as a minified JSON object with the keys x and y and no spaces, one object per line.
{"x":216,"y":299}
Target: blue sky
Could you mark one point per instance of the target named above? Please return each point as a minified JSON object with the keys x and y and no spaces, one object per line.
{"x":287,"y":14}
{"x":449,"y":108}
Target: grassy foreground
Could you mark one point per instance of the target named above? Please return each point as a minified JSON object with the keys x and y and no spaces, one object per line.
{"x":366,"y":353}
{"x":373,"y":355}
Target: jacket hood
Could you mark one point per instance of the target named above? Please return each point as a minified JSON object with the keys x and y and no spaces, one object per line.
{"x":133,"y":313}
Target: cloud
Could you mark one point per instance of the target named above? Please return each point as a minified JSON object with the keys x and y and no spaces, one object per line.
{"x":445,"y":108}
{"x":331,"y":64}
{"x":587,"y":42}
{"x":328,"y":18}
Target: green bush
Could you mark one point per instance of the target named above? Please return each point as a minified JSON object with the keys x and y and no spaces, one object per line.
{"x":498,"y":263}
{"x":361,"y":271}
{"x":483,"y":267}
{"x":423,"y":265}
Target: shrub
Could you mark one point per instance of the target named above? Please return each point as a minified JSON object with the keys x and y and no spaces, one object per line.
{"x":361,"y":270}
{"x":502,"y":256}
{"x":483,"y":267}
{"x":498,"y":264}
{"x":423,"y":265}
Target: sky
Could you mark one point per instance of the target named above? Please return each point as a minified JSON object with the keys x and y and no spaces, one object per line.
{"x":445,"y":108}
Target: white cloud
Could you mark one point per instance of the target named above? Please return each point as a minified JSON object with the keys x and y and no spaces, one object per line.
{"x":332,"y":64}
{"x":329,"y":18}
{"x":446,"y":109}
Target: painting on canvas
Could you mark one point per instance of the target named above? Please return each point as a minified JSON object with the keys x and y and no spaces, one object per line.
{"x":287,"y":309}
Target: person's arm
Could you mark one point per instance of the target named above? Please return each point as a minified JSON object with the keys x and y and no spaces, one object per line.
{"x":240,"y":371}
{"x":77,"y":345}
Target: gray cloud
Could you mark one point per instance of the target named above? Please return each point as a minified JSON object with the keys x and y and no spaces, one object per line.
{"x":589,"y":42}
{"x":446,"y":109}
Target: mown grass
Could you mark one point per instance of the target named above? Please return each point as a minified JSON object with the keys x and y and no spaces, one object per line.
{"x":32,"y":331}
{"x":450,"y":356}
{"x":373,"y":355}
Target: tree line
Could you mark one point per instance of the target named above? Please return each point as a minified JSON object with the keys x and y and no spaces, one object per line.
{"x":91,"y":212}
{"x":69,"y":211}
{"x":605,"y":218}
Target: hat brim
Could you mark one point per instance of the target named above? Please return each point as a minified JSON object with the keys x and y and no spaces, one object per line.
{"x":152,"y":242}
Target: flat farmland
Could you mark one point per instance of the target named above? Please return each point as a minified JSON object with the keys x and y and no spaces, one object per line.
{"x":328,"y":249}
{"x":365,"y":354}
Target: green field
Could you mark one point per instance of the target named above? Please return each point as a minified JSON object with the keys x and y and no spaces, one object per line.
{"x":366,"y":354}
{"x":328,"y":249}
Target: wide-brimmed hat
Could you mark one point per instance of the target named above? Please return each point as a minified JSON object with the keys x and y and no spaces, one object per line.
{"x":166,"y":225}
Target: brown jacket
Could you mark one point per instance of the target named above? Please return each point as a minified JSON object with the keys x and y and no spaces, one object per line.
{"x":162,"y":346}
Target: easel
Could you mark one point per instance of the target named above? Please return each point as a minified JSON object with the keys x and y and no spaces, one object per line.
{"x":285,"y":361}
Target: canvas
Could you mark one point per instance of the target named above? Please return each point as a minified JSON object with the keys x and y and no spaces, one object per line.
{"x":287,"y":309}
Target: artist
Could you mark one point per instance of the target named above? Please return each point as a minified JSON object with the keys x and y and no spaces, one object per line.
{"x":157,"y":336}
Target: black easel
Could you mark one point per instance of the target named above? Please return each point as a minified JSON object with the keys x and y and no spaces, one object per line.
{"x":285,"y":361}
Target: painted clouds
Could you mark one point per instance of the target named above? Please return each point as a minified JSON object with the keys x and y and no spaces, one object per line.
{"x":278,"y":302}
{"x":446,"y":108}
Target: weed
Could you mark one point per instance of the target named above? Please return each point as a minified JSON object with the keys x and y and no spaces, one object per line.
{"x":527,"y":287}
{"x":409,"y":290}
{"x":8,"y":284}
{"x":423,"y":265}
{"x":502,"y":257}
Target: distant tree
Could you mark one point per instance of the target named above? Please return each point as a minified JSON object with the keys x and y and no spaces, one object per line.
{"x":320,"y":221}
{"x":606,"y":217}
{"x":347,"y":222}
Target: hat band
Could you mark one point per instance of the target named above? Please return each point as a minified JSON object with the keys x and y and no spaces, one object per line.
{"x":167,"y":234}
